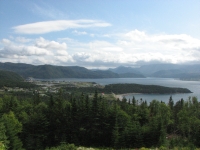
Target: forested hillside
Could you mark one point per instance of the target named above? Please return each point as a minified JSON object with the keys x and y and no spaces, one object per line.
{"x":8,"y":75}
{"x":138,"y":88}
{"x":12,"y":79}
{"x":185,"y":72}
{"x":49,"y":71}
{"x":45,"y":122}
{"x":130,"y":88}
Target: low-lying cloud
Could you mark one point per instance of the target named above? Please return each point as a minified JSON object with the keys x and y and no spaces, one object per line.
{"x":129,"y":48}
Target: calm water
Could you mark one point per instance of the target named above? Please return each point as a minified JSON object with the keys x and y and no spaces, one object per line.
{"x":193,"y":86}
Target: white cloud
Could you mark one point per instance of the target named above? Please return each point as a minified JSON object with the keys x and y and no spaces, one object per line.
{"x":136,"y":46}
{"x":159,"y":47}
{"x":64,"y":59}
{"x":5,"y":41}
{"x":50,"y":45}
{"x":39,"y":51}
{"x":79,"y":33}
{"x":57,"y":25}
{"x":128,"y":48}
{"x":22,"y":39}
{"x":32,"y":50}
{"x":81,"y":56}
{"x":135,"y":35}
{"x":104,"y":46}
{"x":23,"y":50}
{"x":40,"y":60}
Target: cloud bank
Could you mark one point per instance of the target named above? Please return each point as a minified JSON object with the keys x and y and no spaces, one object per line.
{"x":57,"y":25}
{"x":128,"y":49}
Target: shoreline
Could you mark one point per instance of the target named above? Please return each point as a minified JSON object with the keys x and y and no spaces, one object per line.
{"x":120,"y":96}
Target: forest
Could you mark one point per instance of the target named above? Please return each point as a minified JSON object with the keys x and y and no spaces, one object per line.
{"x":130,"y":88}
{"x":12,"y":79}
{"x":75,"y":119}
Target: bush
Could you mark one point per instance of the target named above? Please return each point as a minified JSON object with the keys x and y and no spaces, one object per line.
{"x":162,"y":148}
{"x":64,"y":147}
{"x":2,"y":146}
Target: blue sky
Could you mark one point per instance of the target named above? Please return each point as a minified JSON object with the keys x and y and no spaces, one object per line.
{"x":99,"y":34}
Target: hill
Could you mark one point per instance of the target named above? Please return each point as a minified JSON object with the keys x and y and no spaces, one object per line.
{"x":139,"y":88}
{"x":127,"y":72}
{"x":186,"y":72}
{"x":123,"y":69}
{"x":8,"y":75}
{"x":12,"y":79}
{"x":131,"y":88}
{"x":177,"y":74}
{"x":50,"y":71}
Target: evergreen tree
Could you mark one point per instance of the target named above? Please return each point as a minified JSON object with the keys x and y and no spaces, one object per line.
{"x":115,"y":136}
{"x":3,"y":138}
{"x":13,"y":128}
{"x":171,"y":103}
{"x":36,"y":130}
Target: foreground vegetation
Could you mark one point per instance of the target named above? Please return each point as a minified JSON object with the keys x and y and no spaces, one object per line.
{"x":34,"y":122}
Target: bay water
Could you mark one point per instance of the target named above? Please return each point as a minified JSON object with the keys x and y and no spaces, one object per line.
{"x":193,"y":86}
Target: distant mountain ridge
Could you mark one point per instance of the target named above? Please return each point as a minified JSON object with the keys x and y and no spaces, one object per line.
{"x":185,"y":72}
{"x":127,"y":72}
{"x":123,"y":69}
{"x":50,"y":71}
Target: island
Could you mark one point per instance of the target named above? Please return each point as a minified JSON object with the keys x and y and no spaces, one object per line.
{"x":130,"y":88}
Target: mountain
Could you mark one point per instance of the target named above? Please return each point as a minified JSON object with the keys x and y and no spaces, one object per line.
{"x":149,"y":70}
{"x":186,"y":72}
{"x":127,"y":72}
{"x":12,"y":79}
{"x":123,"y":69}
{"x":50,"y":71}
{"x":171,"y":73}
{"x":177,"y":74}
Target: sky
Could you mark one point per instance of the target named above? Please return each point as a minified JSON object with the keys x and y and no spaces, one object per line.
{"x":100,"y":33}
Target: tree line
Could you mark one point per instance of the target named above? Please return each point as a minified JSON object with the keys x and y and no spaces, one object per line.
{"x":130,"y":88}
{"x":42,"y":123}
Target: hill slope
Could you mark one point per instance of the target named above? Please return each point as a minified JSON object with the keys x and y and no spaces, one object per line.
{"x":12,"y":79}
{"x":186,"y":72}
{"x":127,"y":72}
{"x":9,"y":75}
{"x":49,"y":71}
